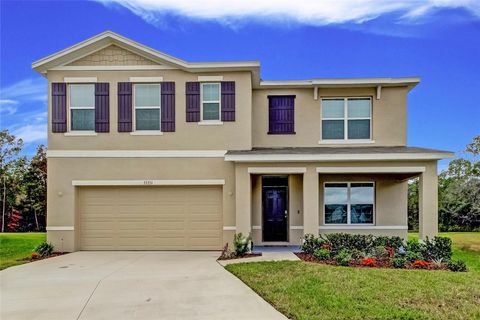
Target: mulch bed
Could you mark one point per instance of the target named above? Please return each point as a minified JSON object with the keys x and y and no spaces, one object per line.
{"x":248,"y":255}
{"x":379,"y":263}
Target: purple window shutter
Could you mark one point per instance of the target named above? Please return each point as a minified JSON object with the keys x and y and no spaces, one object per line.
{"x":59,"y":107}
{"x":228,"y":101}
{"x":168,"y":106}
{"x":281,"y":115}
{"x":192,"y":90}
{"x":102,"y":106}
{"x":124,"y":107}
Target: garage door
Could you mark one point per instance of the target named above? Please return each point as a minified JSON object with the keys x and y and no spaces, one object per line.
{"x":150,"y":218}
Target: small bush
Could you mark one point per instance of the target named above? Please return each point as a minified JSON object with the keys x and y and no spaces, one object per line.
{"x":358,"y":254}
{"x":35,"y":255}
{"x":242,"y":244}
{"x":226,"y":253}
{"x":380,"y":252}
{"x":392,"y":242}
{"x":311,"y":243}
{"x":457,"y":266}
{"x":399,"y":261}
{"x":421,"y":264}
{"x":438,"y":248}
{"x":412,"y":256}
{"x":322,"y":254}
{"x":369,"y":262}
{"x":44,"y":249}
{"x":343,"y":257}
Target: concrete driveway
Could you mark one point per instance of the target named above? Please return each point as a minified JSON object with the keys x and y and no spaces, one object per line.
{"x":128,"y":285}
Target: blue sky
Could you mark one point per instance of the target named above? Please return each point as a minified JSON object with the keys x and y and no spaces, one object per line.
{"x":436,"y":40}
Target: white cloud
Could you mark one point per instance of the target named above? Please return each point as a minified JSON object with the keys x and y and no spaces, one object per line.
{"x":310,"y":12}
{"x":8,"y":106}
{"x":33,"y":89}
{"x":31,"y":132}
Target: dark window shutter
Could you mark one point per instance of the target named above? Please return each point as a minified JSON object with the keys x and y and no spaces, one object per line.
{"x":102,"y":107}
{"x":59,"y":107}
{"x":228,"y":101}
{"x":168,"y":106}
{"x":281,"y":114}
{"x":124,"y":107}
{"x":192,"y":90}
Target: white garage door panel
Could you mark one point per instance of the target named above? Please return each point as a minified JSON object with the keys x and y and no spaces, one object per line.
{"x":150,"y":218}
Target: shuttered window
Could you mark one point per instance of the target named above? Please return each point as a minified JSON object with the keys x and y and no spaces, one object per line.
{"x":82,"y":107}
{"x":147,"y":107}
{"x":210,"y":93}
{"x":281,"y":115}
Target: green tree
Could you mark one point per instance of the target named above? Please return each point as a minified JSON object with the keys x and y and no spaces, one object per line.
{"x":10,"y":148}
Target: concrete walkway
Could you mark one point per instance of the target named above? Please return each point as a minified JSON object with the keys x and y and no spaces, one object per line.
{"x":266,"y":256}
{"x":128,"y":285}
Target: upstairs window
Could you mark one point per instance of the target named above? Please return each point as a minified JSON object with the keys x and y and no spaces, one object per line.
{"x":82,"y":107}
{"x":349,"y":203}
{"x":346,"y":119}
{"x":147,"y":107}
{"x":210,"y":97}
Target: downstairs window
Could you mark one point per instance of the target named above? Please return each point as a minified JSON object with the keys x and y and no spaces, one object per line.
{"x":349,"y":202}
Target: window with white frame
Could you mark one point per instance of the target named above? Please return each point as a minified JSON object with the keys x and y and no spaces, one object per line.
{"x":210,"y":101}
{"x":346,"y":118}
{"x":349,"y":202}
{"x":82,"y":107}
{"x":147,"y":107}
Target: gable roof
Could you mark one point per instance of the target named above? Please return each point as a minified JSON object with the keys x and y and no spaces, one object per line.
{"x":108,"y":38}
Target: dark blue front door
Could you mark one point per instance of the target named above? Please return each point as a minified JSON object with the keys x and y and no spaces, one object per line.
{"x":274,"y":214}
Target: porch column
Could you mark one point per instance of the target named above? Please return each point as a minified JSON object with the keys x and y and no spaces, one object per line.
{"x":428,"y":201}
{"x":310,"y":201}
{"x":243,"y":200}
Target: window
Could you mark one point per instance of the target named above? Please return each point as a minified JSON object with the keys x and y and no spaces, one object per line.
{"x":210,"y":101}
{"x":346,"y":119}
{"x":147,"y":107}
{"x":349,"y":203}
{"x":82,"y":107}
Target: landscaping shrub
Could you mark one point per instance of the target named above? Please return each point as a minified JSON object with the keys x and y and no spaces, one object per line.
{"x":322,"y":254}
{"x":343,"y":257}
{"x":457,"y":266}
{"x":368,"y":262}
{"x":241,"y":244}
{"x":420,"y":264}
{"x":399,"y":261}
{"x":44,"y":249}
{"x":392,"y":242}
{"x":438,"y":248}
{"x":311,"y":243}
{"x":348,"y":241}
{"x":412,"y":256}
{"x":380,"y":252}
{"x":358,"y":254}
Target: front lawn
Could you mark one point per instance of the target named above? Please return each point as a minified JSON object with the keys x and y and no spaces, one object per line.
{"x":16,"y":246}
{"x":303,"y":290}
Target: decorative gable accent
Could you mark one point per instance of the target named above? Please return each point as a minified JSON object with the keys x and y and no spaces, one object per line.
{"x":112,"y":56}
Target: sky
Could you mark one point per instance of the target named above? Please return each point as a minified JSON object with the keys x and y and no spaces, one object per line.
{"x":438,"y":40}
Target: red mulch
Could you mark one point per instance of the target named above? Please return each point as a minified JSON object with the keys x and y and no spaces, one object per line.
{"x":248,"y":255}
{"x":379,"y":263}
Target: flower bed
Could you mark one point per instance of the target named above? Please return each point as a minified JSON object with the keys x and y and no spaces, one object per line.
{"x":368,"y":251}
{"x":242,"y":248}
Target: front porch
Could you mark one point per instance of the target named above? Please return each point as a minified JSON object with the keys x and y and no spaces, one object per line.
{"x":279,"y":202}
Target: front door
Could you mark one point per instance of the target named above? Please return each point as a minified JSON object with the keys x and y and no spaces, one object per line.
{"x":275,"y":214}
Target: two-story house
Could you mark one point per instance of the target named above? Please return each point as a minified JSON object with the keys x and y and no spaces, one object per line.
{"x":150,"y":152}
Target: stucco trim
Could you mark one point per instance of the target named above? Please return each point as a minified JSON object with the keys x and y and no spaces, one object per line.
{"x":79,"y":183}
{"x":370,"y":169}
{"x":145,"y":79}
{"x":266,"y":170}
{"x":136,"y":153}
{"x":334,"y":157}
{"x":296,"y":227}
{"x":210,"y":78}
{"x":113,"y":68}
{"x":256,"y":227}
{"x":62,"y":228}
{"x":229,"y":228}
{"x":79,"y":79}
{"x":368,"y":227}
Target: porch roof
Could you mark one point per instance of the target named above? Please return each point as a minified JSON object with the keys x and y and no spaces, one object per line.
{"x":336,"y":154}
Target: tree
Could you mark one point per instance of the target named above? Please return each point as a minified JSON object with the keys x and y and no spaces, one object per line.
{"x":34,"y":190}
{"x":10,"y":148}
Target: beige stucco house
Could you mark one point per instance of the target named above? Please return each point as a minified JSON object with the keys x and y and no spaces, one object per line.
{"x":150,"y":152}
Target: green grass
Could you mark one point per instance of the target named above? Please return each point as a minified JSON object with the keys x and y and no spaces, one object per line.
{"x":16,"y":246}
{"x":304,"y":290}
